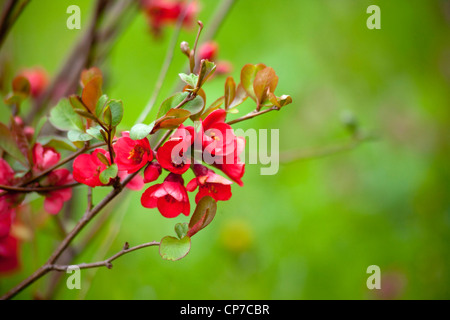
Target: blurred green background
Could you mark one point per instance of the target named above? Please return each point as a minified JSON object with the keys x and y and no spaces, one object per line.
{"x":310,"y":231}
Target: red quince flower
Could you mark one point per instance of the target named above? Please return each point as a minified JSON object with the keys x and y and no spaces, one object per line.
{"x":38,"y":79}
{"x":135,"y":184}
{"x":174,"y":155}
{"x":9,"y":254}
{"x":208,"y":51}
{"x":152,"y":172}
{"x":233,"y":167}
{"x":170,"y":197}
{"x":44,"y":157}
{"x":210,"y":184}
{"x":218,"y":137}
{"x":6,"y":201}
{"x":54,"y":200}
{"x":132,"y":155}
{"x":163,"y":12}
{"x":87,"y":168}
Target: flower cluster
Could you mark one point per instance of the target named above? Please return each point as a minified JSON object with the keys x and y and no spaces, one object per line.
{"x":214,"y":144}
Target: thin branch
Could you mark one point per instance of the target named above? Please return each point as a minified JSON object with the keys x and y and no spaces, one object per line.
{"x":38,"y":189}
{"x":252,"y":115}
{"x":105,"y":263}
{"x":165,"y":66}
{"x":12,"y":11}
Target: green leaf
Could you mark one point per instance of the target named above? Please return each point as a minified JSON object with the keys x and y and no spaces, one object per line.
{"x":76,"y":135}
{"x":190,"y":79}
{"x":203,"y":215}
{"x":171,"y":103}
{"x":101,"y":103}
{"x":181,"y":229}
{"x":63,"y":117}
{"x":195,"y":106}
{"x":9,"y":145}
{"x":108,"y":173}
{"x":95,"y":132}
{"x":248,"y":74}
{"x":140,"y":131}
{"x":207,"y":68}
{"x":57,"y":143}
{"x":116,"y":107}
{"x":240,"y":96}
{"x":38,"y":128}
{"x":107,"y":116}
{"x":103,"y":159}
{"x":174,"y":249}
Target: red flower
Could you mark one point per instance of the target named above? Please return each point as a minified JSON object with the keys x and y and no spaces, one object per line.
{"x":6,"y":201}
{"x":218,"y":137}
{"x":233,"y":167}
{"x":163,"y":12}
{"x":208,"y":51}
{"x":54,"y":200}
{"x":132,"y":155}
{"x":87,"y":168}
{"x":210,"y":184}
{"x":9,"y":254}
{"x":135,"y":184}
{"x":38,"y":80}
{"x":44,"y":157}
{"x":173,"y":155}
{"x":170,"y":197}
{"x":152,"y":172}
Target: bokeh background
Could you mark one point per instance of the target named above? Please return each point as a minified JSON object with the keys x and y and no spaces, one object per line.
{"x":310,"y":231}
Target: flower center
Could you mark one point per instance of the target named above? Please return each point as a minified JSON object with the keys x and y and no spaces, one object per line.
{"x":136,"y":153}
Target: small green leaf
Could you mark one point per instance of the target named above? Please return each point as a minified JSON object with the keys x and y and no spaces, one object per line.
{"x":190,"y":79}
{"x":116,"y":107}
{"x":103,"y":159}
{"x":76,"y":135}
{"x":108,"y":173}
{"x":207,"y":68}
{"x":203,"y":215}
{"x":181,"y":229}
{"x":101,"y":103}
{"x":140,"y":131}
{"x":171,"y":103}
{"x":9,"y":145}
{"x":240,"y":96}
{"x":195,"y":106}
{"x":95,"y":132}
{"x":57,"y":143}
{"x":174,"y":249}
{"x":63,"y":117}
{"x":107,"y":116}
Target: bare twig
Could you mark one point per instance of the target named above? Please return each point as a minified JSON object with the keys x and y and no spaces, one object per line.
{"x":252,"y":115}
{"x":11,"y":12}
{"x":105,"y":263}
{"x":37,"y":189}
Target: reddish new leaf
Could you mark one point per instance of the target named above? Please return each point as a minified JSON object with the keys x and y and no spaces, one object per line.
{"x":230,"y":92}
{"x":248,"y":74}
{"x":203,"y":215}
{"x":265,"y":81}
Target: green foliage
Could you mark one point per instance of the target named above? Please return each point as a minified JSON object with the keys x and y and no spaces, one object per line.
{"x":174,"y":249}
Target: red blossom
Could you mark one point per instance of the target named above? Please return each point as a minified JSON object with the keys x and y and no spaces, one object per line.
{"x":87,"y":168}
{"x":132,"y":155}
{"x":208,"y":51}
{"x":170,"y":197}
{"x":9,"y":254}
{"x":173,"y":155}
{"x":210,"y":184}
{"x":54,"y":200}
{"x":44,"y":157}
{"x":38,"y":79}
{"x":218,"y":137}
{"x":152,"y":172}
{"x":135,"y":184}
{"x":6,"y":201}
{"x":164,"y":12}
{"x":233,"y":167}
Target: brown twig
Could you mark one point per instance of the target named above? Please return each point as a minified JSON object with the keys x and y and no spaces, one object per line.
{"x":252,"y":115}
{"x":11,"y":12}
{"x":37,"y":189}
